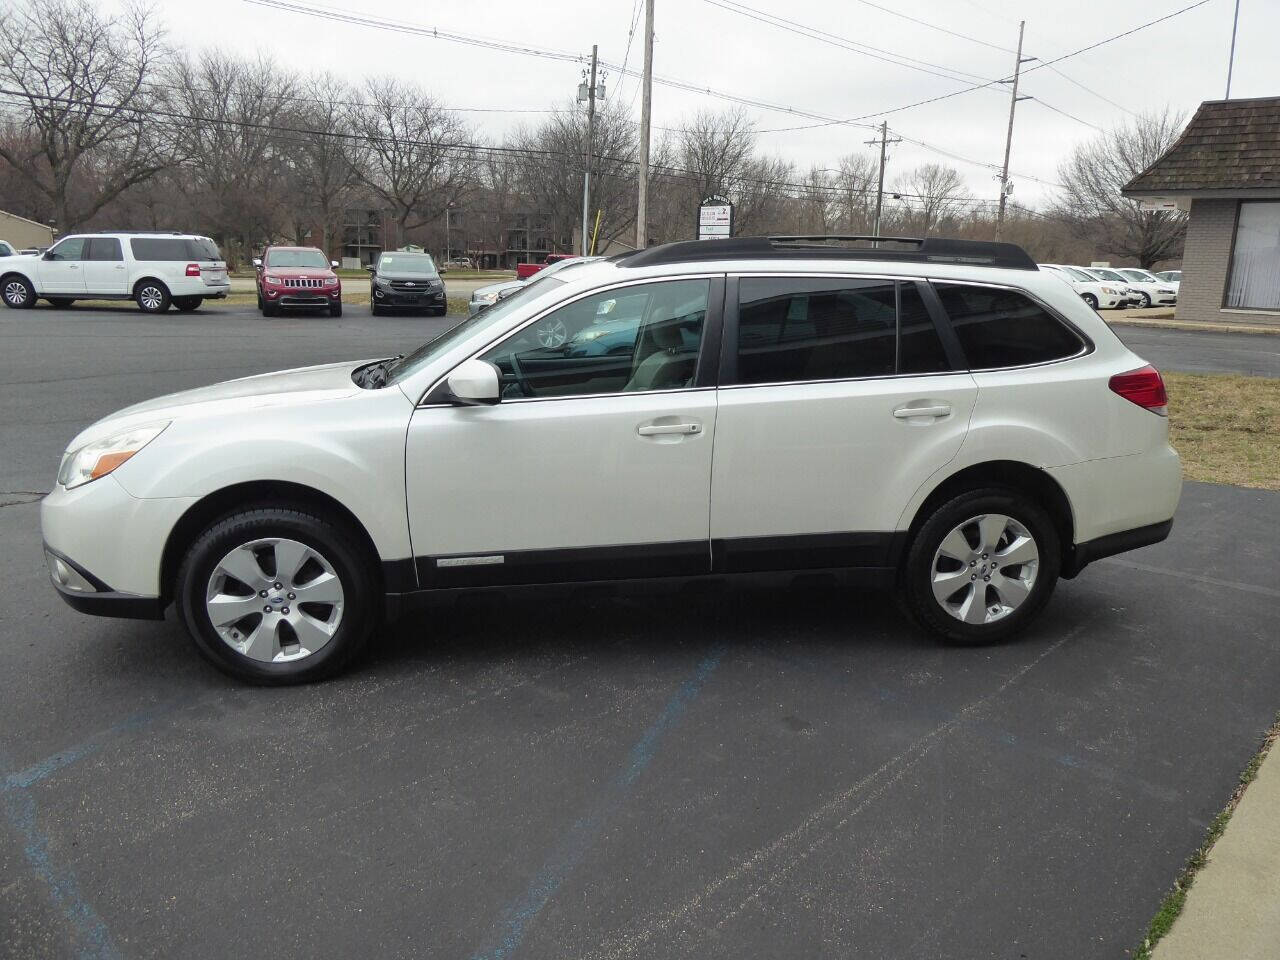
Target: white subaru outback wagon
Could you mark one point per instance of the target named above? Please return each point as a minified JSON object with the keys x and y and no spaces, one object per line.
{"x":155,"y":270}
{"x":935,"y":416}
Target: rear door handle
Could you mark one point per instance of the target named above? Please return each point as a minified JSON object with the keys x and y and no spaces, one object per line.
{"x":665,"y":429}
{"x":908,"y":412}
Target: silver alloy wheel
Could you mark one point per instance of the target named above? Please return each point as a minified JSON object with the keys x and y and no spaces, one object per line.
{"x":985,"y":568}
{"x":274,"y":600}
{"x":150,"y":297}
{"x":15,"y":293}
{"x":553,"y":335}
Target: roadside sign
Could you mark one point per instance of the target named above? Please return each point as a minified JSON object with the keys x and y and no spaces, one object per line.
{"x":1158,"y":204}
{"x":715,"y":217}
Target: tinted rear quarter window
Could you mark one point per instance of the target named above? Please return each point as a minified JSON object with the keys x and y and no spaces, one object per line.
{"x":173,"y":248}
{"x":1004,"y":328}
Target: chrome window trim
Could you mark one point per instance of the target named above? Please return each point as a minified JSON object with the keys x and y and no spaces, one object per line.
{"x":422,"y":404}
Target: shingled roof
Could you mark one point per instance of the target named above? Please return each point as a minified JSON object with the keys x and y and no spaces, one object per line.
{"x":1228,"y":145}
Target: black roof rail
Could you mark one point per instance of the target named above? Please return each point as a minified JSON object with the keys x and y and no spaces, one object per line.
{"x":113,"y":233}
{"x":975,"y":253}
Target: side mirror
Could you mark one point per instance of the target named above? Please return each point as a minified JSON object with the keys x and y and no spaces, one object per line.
{"x":257,"y":262}
{"x":371,"y":268}
{"x":334,"y":264}
{"x":474,"y":383}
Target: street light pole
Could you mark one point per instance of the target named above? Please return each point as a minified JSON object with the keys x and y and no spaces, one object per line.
{"x":591,"y":131}
{"x":646,"y":113}
{"x":448,"y":247}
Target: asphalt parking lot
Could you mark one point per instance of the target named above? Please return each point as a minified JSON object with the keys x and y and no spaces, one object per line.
{"x":773,"y":768}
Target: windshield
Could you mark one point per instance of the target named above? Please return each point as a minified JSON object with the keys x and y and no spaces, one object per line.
{"x":1139,"y":275}
{"x":1106,"y":274}
{"x":297,"y":258}
{"x":1079,"y":274}
{"x":418,"y":264}
{"x":490,"y":316}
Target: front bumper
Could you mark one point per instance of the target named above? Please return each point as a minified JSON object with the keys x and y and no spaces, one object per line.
{"x":87,"y":594}
{"x":385,"y":297}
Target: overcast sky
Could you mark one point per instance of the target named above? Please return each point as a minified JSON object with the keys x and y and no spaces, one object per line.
{"x":1177,"y":63}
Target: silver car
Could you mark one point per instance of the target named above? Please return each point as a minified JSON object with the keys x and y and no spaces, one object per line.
{"x":483,"y":297}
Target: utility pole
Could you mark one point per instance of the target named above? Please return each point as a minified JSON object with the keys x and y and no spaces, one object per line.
{"x":646,"y":114}
{"x":1231,"y":60}
{"x":1018,"y":61}
{"x":591,"y":133}
{"x":884,"y":141}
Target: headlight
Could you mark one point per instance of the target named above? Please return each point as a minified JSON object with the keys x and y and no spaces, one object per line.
{"x":330,"y":281}
{"x":1108,"y":291}
{"x":99,"y":458}
{"x":272,"y":280}
{"x":1163,"y":290}
{"x":381,"y":281}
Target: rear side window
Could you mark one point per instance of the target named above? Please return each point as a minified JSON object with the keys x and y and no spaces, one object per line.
{"x":173,"y":248}
{"x":1004,"y":328}
{"x":104,"y":248}
{"x":795,"y":329}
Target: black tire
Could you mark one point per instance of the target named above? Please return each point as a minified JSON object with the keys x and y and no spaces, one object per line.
{"x":1091,"y":300}
{"x":1146,"y":299}
{"x":339,"y":545}
{"x":374,"y":309}
{"x":269,"y":309}
{"x":335,"y":309}
{"x":60,"y":303}
{"x":18,"y":294}
{"x":259,"y":299}
{"x":918,"y":569}
{"x":152,"y":296}
{"x":439,"y":311}
{"x":187,"y":304}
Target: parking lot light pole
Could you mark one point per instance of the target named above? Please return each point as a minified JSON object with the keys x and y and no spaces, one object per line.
{"x":448,"y":247}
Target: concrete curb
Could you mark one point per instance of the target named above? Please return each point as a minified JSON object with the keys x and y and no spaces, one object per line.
{"x":1233,"y":906}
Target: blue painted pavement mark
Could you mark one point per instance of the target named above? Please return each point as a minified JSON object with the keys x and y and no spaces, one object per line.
{"x":569,"y":852}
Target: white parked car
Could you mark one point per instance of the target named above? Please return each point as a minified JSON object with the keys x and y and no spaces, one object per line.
{"x":1099,"y":295}
{"x":487,"y":296}
{"x":945,"y":419}
{"x":1153,"y":291}
{"x":1133,"y":297}
{"x":152,"y":269}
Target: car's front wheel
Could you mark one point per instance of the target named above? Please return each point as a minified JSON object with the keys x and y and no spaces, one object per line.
{"x":152,"y":296}
{"x":1145,"y":298}
{"x":1091,"y":300}
{"x":18,"y":293}
{"x":278,"y":595}
{"x":981,"y":566}
{"x":335,"y":309}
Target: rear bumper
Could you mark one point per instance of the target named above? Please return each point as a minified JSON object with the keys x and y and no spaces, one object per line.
{"x":1083,"y":554}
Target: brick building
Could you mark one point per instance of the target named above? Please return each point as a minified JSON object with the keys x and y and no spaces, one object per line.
{"x":1225,"y":172}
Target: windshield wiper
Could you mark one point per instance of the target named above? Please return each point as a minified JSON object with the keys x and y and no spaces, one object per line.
{"x":373,"y":376}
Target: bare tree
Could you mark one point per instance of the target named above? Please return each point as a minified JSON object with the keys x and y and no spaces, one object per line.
{"x":83,"y":78}
{"x":855,"y":193}
{"x":933,"y":193}
{"x":238,"y":168}
{"x":324,"y":164}
{"x":551,"y":159}
{"x":1096,"y":171}
{"x":418,"y":160}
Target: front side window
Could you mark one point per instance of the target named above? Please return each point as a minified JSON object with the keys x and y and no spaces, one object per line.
{"x":71,"y":248}
{"x":1255,"y":261}
{"x":797,"y":329}
{"x":628,"y":339}
{"x":1004,"y":328}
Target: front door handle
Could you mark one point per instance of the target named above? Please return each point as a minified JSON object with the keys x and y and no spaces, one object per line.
{"x":909,"y":412}
{"x":666,"y":429}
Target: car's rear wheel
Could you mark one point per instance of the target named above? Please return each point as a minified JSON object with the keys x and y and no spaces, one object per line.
{"x":187,"y":304}
{"x":278,"y":595}
{"x":152,"y":296}
{"x":981,"y":566}
{"x":18,"y":293}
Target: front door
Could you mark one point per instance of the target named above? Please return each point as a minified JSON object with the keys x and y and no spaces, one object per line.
{"x":62,"y":269}
{"x":596,"y":464}
{"x":104,"y":270}
{"x":838,"y":401}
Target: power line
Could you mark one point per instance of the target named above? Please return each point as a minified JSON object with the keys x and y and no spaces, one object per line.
{"x":934,"y":26}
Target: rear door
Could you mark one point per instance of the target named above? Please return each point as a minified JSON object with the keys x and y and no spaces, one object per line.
{"x":104,"y":269}
{"x":62,"y":269}
{"x":838,"y":398}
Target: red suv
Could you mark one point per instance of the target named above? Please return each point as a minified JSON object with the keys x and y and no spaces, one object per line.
{"x":298,"y":278}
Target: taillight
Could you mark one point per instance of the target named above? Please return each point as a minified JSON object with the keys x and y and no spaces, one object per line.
{"x":193,"y":269}
{"x":1143,"y":387}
